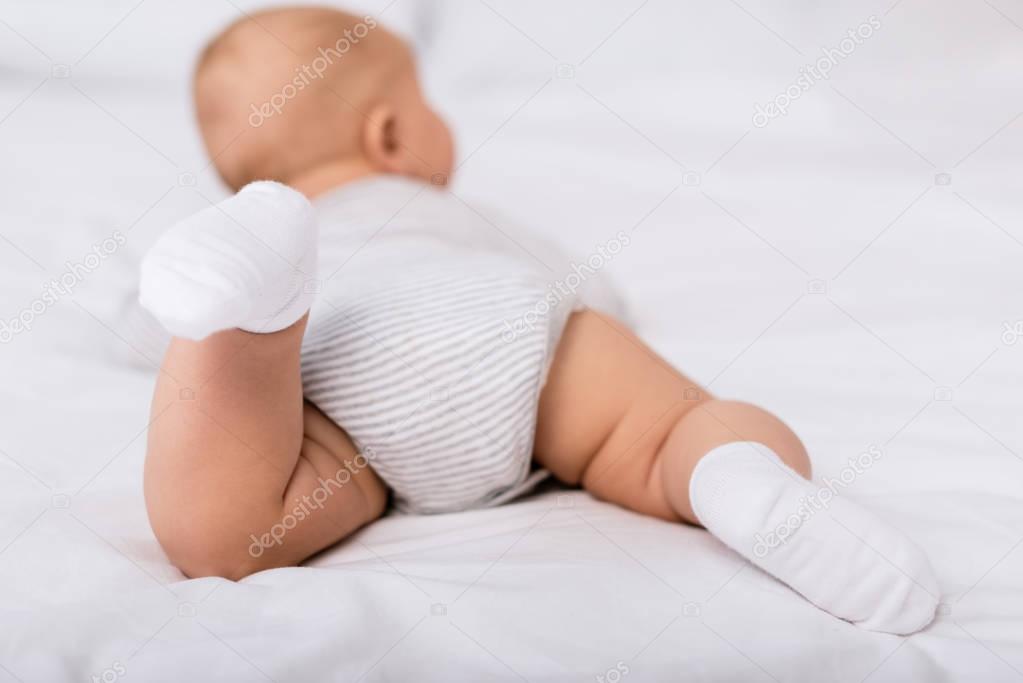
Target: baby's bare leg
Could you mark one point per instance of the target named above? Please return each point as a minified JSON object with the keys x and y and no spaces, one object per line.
{"x":633,"y":431}
{"x":243,"y":476}
{"x":617,"y":419}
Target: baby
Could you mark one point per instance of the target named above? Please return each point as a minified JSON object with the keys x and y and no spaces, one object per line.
{"x":330,"y":356}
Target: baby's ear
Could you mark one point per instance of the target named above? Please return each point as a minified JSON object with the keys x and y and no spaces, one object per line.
{"x":380,"y":139}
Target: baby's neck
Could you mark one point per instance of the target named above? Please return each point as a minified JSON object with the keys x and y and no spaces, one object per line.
{"x":326,"y":177}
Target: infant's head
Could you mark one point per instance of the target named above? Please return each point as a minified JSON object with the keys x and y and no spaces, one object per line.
{"x":310,"y":94}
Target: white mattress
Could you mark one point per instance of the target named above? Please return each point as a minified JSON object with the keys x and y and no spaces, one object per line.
{"x":904,"y":349}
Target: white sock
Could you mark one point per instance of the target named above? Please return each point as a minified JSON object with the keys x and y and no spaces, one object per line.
{"x":243,"y":263}
{"x":836,"y":554}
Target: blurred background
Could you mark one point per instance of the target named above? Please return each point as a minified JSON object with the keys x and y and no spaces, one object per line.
{"x":825,"y":202}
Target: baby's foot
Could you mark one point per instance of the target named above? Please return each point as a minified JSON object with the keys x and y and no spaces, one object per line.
{"x":835,"y":553}
{"x":243,"y":263}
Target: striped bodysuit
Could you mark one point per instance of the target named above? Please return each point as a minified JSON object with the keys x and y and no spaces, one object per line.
{"x":430,"y":341}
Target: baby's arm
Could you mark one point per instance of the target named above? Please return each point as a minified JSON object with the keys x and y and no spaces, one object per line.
{"x":241,"y":475}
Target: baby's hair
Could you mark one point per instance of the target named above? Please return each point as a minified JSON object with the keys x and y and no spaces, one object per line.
{"x":282,"y":90}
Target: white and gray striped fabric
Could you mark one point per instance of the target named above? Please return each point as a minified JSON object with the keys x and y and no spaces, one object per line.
{"x":430,"y":339}
{"x":430,"y":342}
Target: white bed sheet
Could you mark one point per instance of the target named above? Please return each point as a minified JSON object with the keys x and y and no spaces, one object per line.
{"x":735,"y":231}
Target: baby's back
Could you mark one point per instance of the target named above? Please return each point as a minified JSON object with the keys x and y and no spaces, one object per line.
{"x":429,"y":343}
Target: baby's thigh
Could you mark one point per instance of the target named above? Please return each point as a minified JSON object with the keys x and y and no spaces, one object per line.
{"x":331,"y":492}
{"x":609,"y":403}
